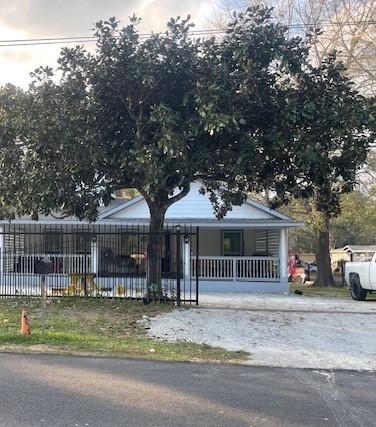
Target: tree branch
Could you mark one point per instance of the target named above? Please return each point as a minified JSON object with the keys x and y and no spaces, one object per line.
{"x":60,"y":216}
{"x":179,"y":196}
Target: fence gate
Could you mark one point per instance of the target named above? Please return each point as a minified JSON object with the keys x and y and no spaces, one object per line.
{"x":96,"y":261}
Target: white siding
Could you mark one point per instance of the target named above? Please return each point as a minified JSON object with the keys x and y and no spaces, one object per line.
{"x":210,"y":242}
{"x":249,"y":242}
{"x":193,"y":206}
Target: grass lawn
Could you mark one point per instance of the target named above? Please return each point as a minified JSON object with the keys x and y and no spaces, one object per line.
{"x":335,"y":292}
{"x":97,"y":327}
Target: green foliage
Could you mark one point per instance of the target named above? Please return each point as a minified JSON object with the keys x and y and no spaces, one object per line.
{"x":13,"y":108}
{"x":157,"y":114}
{"x":356,"y":223}
{"x":335,"y":129}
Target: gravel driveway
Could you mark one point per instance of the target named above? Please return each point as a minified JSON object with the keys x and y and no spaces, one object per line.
{"x":322,"y":336}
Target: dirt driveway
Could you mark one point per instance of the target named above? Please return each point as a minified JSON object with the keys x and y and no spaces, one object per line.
{"x":284,"y":331}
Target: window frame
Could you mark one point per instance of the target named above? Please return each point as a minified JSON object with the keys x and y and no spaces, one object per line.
{"x":241,"y":238}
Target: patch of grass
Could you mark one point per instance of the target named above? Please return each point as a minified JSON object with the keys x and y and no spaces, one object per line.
{"x":98,"y":327}
{"x":330,"y":292}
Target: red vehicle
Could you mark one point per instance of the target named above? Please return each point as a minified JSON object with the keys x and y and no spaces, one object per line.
{"x":297,"y":274}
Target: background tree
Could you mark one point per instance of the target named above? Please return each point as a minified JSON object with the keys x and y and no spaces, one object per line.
{"x":356,"y":224}
{"x":347,"y":26}
{"x":334,"y":139}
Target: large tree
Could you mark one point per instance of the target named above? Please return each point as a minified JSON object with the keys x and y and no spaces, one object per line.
{"x":347,"y":28}
{"x":331,"y":147}
{"x":156,"y":115}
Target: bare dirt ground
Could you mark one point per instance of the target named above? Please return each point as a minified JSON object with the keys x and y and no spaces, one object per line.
{"x":286,"y":303}
{"x":284,"y":331}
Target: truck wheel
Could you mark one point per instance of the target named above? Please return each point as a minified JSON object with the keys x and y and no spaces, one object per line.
{"x":356,"y":290}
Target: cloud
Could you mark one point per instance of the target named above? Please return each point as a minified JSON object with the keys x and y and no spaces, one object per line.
{"x":76,"y":17}
{"x":64,"y":18}
{"x":20,"y":55}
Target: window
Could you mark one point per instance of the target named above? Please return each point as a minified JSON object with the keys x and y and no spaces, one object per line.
{"x":232,"y":243}
{"x":53,"y":241}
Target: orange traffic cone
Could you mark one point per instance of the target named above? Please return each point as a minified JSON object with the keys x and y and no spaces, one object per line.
{"x":25,"y":328}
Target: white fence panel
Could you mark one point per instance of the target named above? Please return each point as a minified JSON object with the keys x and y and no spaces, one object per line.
{"x":62,"y":263}
{"x":236,"y":268}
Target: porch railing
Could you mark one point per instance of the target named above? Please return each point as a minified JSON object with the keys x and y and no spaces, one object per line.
{"x":236,"y":268}
{"x":61,"y":263}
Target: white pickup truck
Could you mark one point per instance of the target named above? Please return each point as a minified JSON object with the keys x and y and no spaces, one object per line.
{"x":360,"y":278}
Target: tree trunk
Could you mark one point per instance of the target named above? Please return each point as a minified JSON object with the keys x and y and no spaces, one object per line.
{"x":154,"y":251}
{"x":324,"y":269}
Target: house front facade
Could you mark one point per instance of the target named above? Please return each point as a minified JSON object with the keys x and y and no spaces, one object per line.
{"x":247,"y":251}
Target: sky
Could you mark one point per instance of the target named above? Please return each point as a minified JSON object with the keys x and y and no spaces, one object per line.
{"x":24,"y":19}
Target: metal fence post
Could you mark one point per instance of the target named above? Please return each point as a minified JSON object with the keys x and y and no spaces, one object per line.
{"x":197,"y":262}
{"x":178,"y":243}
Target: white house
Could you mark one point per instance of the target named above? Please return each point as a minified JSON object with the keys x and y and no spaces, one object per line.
{"x":247,"y":251}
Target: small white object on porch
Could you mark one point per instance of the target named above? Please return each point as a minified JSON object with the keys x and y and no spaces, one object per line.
{"x":187,"y":260}
{"x":283,"y":255}
{"x":94,"y":256}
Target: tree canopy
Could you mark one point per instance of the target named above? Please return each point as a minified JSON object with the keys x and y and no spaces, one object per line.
{"x":157,"y":114}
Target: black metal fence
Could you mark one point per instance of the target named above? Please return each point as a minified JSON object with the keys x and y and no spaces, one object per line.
{"x":93,"y":260}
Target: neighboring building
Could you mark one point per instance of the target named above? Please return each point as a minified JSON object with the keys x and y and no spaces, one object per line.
{"x":247,"y":251}
{"x":352,"y":253}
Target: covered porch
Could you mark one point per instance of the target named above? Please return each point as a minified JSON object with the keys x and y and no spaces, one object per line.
{"x":239,"y":260}
{"x":113,"y":258}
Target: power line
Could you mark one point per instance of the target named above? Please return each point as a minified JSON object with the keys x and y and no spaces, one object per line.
{"x":44,"y":43}
{"x":46,"y":39}
{"x":202,"y":32}
{"x":85,"y":39}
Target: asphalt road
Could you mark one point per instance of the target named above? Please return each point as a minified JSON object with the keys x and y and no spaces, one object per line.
{"x":77,"y":391}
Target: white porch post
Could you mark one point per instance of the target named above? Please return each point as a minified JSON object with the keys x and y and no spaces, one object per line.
{"x":187,"y":260}
{"x":283,"y":255}
{"x":94,"y":256}
{"x":2,"y":246}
